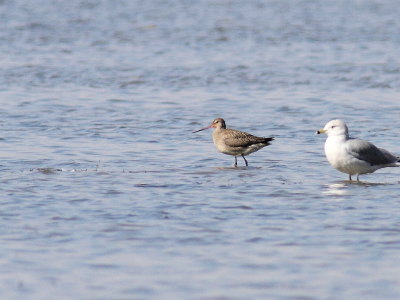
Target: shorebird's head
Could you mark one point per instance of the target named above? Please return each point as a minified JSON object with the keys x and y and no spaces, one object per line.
{"x":335,"y":128}
{"x":217,"y":123}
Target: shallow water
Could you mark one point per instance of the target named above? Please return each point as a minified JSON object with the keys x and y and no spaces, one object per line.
{"x":106,"y":193}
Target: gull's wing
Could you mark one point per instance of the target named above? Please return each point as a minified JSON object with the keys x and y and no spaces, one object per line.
{"x":368,"y":152}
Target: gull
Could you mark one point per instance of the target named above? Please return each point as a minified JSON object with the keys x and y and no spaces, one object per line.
{"x":235,"y":142}
{"x":354,"y":156}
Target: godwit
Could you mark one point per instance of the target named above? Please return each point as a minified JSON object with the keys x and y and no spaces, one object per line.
{"x":354,"y":156}
{"x":235,"y":142}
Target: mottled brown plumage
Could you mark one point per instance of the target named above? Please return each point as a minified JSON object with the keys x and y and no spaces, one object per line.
{"x":235,"y":142}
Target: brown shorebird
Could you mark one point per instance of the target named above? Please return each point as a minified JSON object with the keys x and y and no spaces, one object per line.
{"x":235,"y":142}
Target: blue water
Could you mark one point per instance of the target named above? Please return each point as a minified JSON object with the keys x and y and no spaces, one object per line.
{"x":106,"y":193}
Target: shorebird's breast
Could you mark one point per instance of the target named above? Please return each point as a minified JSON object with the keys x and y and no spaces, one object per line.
{"x":218,"y":139}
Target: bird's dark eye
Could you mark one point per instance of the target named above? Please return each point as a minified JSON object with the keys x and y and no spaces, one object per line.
{"x":333,"y":126}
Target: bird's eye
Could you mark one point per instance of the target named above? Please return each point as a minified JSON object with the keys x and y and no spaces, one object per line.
{"x":333,"y":126}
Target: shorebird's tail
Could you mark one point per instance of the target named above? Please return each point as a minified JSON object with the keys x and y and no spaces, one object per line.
{"x":267,"y":141}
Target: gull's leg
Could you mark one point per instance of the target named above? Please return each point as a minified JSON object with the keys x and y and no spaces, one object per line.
{"x":245,"y":160}
{"x":349,"y":177}
{"x":235,"y":162}
{"x":358,"y":178}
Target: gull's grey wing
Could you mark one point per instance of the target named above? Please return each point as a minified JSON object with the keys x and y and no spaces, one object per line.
{"x":368,"y":152}
{"x":236,"y":138}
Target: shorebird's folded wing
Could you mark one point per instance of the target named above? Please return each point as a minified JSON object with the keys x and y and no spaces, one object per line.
{"x":243,"y":139}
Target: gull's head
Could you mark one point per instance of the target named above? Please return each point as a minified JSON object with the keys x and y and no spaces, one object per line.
{"x":217,"y":123}
{"x":335,"y":128}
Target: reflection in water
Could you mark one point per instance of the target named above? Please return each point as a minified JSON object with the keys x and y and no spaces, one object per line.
{"x":336,"y":189}
{"x":233,"y":168}
{"x":341,"y":188}
{"x":365,"y":183}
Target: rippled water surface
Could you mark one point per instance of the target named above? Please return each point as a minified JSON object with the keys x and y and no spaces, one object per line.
{"x":106,"y":193}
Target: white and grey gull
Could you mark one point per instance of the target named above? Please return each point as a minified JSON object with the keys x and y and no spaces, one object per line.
{"x":354,"y":156}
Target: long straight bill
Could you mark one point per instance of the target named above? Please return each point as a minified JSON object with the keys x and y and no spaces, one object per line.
{"x":201,"y":129}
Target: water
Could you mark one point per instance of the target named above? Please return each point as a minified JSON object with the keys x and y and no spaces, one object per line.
{"x":106,"y":193}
